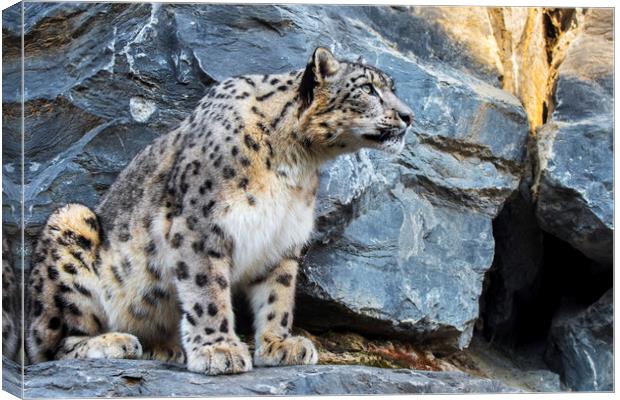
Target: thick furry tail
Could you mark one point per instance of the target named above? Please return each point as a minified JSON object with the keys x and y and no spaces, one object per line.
{"x":64,"y":266}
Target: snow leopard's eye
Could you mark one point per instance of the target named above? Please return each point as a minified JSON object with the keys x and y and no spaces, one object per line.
{"x":368,"y":89}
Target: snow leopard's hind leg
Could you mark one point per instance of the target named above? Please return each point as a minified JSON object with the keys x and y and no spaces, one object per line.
{"x":66,"y":318}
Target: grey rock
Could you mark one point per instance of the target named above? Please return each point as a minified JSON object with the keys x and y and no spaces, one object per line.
{"x":575,"y":150}
{"x":11,"y":377}
{"x":125,"y":378}
{"x":575,"y":196}
{"x":540,"y":380}
{"x":580,"y":346}
{"x":521,"y":367}
{"x":403,"y":242}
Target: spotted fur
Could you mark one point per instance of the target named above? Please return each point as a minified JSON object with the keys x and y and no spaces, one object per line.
{"x":10,"y":305}
{"x":220,"y":204}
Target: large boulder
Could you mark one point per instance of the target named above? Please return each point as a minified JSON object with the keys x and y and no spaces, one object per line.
{"x":125,"y":378}
{"x":575,"y":150}
{"x":403,"y":242}
{"x":580,"y":346}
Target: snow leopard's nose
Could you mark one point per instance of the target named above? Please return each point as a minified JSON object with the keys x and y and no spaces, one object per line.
{"x":406,"y":117}
{"x":399,"y":109}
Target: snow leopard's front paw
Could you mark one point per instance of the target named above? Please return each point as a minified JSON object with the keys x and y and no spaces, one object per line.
{"x":294,"y":350}
{"x":227,"y":357}
{"x":113,"y":345}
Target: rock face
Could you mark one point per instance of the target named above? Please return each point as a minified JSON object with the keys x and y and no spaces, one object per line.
{"x":403,"y":243}
{"x":520,"y":37}
{"x":575,"y":150}
{"x":125,"y":378}
{"x":581,"y":346}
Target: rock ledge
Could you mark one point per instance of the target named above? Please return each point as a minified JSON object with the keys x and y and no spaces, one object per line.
{"x":122,"y":378}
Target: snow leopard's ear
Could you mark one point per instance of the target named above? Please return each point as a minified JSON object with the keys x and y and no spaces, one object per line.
{"x":325,"y":64}
{"x":321,"y":66}
{"x":361,"y":60}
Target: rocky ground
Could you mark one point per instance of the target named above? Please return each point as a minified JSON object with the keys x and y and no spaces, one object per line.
{"x":124,"y":378}
{"x":493,"y":226}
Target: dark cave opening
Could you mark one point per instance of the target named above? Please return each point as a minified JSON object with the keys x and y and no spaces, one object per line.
{"x":548,"y":274}
{"x":567,"y":279}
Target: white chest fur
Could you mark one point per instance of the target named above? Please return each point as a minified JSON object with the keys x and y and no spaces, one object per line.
{"x":281,"y":219}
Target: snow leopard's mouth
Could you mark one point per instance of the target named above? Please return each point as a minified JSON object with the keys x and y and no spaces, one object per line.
{"x":386,"y":135}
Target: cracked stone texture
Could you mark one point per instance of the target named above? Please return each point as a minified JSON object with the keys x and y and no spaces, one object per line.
{"x":575,"y":150}
{"x":581,"y":346}
{"x":124,"y":378}
{"x":402,"y":244}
